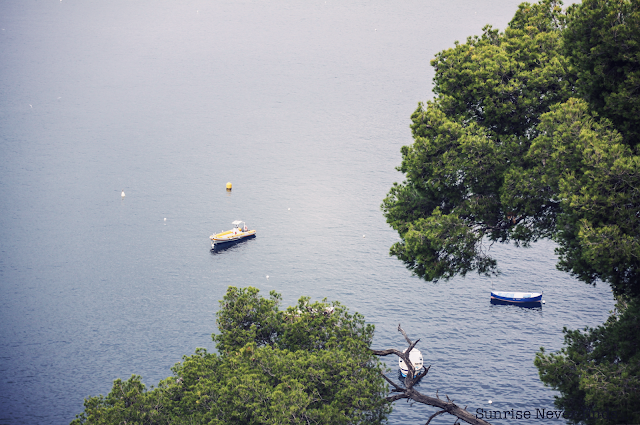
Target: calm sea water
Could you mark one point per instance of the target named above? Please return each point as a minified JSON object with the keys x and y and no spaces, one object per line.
{"x":303,"y":106}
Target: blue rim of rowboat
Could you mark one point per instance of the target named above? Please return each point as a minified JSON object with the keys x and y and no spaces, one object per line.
{"x":518,"y":298}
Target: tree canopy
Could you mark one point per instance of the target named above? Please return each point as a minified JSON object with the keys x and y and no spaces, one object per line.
{"x":598,"y":370}
{"x":520,"y":143}
{"x":309,"y":363}
{"x":534,"y":133}
{"x":602,"y":44}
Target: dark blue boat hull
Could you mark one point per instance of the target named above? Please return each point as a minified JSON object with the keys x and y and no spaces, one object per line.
{"x":521,"y":304}
{"x":225,"y":245}
{"x":525,"y":302}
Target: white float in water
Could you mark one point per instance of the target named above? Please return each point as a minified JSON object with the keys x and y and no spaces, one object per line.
{"x":415,"y":356}
{"x":122,"y":194}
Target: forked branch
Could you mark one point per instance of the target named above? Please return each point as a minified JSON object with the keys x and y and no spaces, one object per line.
{"x":408,"y":391}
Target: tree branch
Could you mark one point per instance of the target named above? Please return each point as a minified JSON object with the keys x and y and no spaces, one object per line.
{"x":404,"y":334}
{"x":387,"y":352}
{"x":412,"y":379}
{"x":434,"y":415}
{"x":396,"y":397}
{"x":396,"y":387}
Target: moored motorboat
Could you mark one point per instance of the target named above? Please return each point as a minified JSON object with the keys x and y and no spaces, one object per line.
{"x":518,"y":298}
{"x":239,"y":232}
{"x":415,"y":356}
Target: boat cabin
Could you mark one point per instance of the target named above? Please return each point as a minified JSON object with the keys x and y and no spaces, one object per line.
{"x":239,"y":226}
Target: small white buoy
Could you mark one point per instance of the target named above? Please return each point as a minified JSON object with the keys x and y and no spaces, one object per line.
{"x":165,"y":219}
{"x":122,"y":194}
{"x":544,"y":302}
{"x":363,"y":236}
{"x":490,"y":401}
{"x":289,"y":209}
{"x":267,"y":276}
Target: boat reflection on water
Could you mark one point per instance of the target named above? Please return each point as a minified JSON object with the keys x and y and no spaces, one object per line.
{"x":225,"y":246}
{"x":532,"y":306}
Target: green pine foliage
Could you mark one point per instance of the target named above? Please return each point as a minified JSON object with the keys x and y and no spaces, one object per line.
{"x":580,"y":173}
{"x":602,"y":44}
{"x":491,"y":93}
{"x":534,"y":133}
{"x":598,"y":370}
{"x":508,"y":151}
{"x":310,"y":363}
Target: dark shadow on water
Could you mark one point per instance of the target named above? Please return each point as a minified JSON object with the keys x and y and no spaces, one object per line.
{"x":230,"y":245}
{"x":530,"y":306}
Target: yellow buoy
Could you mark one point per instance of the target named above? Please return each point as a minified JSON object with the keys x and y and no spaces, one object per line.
{"x":228,"y":185}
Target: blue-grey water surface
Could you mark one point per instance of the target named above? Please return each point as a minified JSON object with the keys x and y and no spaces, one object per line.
{"x":303,"y":106}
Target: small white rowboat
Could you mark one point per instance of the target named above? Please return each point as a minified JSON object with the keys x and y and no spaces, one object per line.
{"x":518,"y":298}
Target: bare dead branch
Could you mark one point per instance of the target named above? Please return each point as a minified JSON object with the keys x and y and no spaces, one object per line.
{"x":396,"y":397}
{"x":420,"y":375}
{"x":387,"y":352}
{"x":426,"y":370}
{"x":449,"y":407}
{"x":412,"y":379}
{"x":404,"y":334}
{"x":434,"y":415}
{"x":396,"y":387}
